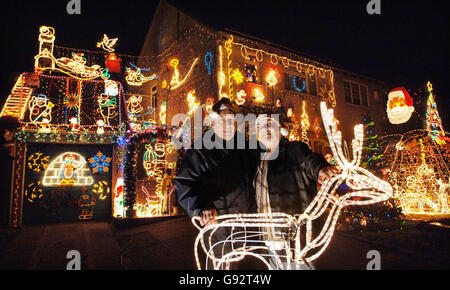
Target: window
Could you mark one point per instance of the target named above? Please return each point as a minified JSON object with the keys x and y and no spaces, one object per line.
{"x":356,"y":94}
{"x":312,"y":85}
{"x":363,"y":95}
{"x":295,"y":83}
{"x":348,"y":93}
{"x":251,"y":73}
{"x":154,"y":97}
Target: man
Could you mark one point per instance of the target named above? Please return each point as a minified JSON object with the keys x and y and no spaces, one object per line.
{"x":288,"y":182}
{"x":212,"y":182}
{"x":287,"y":176}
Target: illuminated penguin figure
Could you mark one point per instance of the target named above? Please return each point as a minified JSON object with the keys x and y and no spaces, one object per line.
{"x":69,"y":170}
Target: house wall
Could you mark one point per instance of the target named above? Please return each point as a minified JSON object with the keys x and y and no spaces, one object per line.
{"x":176,"y":35}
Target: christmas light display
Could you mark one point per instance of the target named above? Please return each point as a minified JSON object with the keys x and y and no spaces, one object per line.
{"x":37,"y":162}
{"x":237,"y":76}
{"x":371,"y":149}
{"x":40,"y":107}
{"x":33,"y":192}
{"x":433,"y":120}
{"x":159,"y":159}
{"x":400,"y":106}
{"x":16,"y":103}
{"x":162,"y":113}
{"x":209,"y":104}
{"x":326,"y":76}
{"x":75,"y":67}
{"x":419,"y":174}
{"x":101,"y":189}
{"x":107,"y":107}
{"x":175,"y":82}
{"x":277,"y":239}
{"x":111,"y":88}
{"x":240,"y":97}
{"x":259,"y":96}
{"x":208,"y":61}
{"x":86,"y":204}
{"x":271,"y":78}
{"x":100,"y":163}
{"x":294,"y":83}
{"x":305,"y":125}
{"x":46,"y":45}
{"x":316,"y":127}
{"x":134,"y":107}
{"x":229,"y":50}
{"x":136,"y":78}
{"x":107,"y":43}
{"x":220,"y":74}
{"x":68,"y":169}
{"x":190,"y":98}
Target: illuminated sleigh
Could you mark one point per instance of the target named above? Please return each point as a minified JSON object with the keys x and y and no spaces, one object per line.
{"x":278,"y":239}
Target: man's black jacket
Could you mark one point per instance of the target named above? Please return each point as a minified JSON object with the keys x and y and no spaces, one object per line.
{"x":292,"y":177}
{"x":216,"y":178}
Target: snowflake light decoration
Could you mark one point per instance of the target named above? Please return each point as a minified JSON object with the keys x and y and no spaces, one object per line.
{"x":100,"y":163}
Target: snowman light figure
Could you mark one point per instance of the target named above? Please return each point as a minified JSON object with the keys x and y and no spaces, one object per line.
{"x":45,"y":126}
{"x":100,"y":125}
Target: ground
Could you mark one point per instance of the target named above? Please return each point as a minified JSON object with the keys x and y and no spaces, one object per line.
{"x":168,"y":244}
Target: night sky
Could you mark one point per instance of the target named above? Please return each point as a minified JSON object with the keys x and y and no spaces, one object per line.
{"x":406,"y":45}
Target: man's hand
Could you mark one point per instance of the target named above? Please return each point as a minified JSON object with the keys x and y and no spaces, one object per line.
{"x":328,"y":172}
{"x":208,"y":217}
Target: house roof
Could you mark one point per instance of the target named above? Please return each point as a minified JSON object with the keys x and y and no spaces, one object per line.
{"x":220,"y":21}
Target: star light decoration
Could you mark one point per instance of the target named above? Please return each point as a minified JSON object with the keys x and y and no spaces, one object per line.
{"x":100,"y":163}
{"x":277,"y":239}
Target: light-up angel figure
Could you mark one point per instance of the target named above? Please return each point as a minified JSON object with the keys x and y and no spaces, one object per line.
{"x":107,"y":43}
{"x":277,"y":239}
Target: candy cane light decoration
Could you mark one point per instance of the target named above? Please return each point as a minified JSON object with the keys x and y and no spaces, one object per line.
{"x":277,"y":239}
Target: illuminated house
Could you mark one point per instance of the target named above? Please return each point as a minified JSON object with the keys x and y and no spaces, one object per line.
{"x":74,"y":136}
{"x":198,"y":62}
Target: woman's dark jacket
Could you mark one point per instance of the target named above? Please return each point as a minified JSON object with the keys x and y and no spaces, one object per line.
{"x":292,"y":177}
{"x":216,"y":178}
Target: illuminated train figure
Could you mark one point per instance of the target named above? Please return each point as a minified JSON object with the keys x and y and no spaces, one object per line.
{"x":277,"y":239}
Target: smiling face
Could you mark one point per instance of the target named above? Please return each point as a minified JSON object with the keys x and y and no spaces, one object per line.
{"x":398,"y":110}
{"x":225,"y":125}
{"x":268,"y":132}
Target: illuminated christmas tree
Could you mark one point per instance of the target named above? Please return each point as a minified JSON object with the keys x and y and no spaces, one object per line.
{"x":371,"y":149}
{"x":433,"y":121}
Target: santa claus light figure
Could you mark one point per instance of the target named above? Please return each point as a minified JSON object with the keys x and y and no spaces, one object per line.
{"x":399,"y":106}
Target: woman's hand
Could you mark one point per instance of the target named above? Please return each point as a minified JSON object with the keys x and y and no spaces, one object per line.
{"x":208,"y":217}
{"x":327,"y":173}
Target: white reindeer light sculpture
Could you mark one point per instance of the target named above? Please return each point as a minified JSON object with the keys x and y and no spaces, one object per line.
{"x":277,"y":239}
